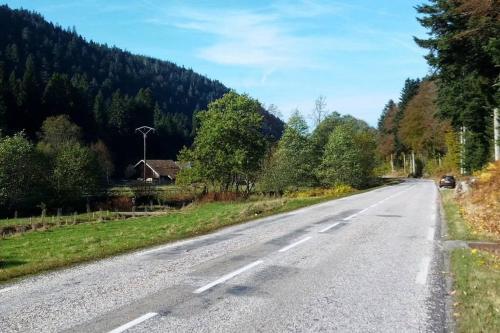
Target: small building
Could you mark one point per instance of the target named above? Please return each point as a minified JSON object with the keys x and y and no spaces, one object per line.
{"x":158,"y":171}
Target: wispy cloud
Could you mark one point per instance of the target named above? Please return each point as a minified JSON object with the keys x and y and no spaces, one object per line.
{"x":267,"y":38}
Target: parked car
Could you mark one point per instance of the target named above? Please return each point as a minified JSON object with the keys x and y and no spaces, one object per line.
{"x":447,"y":181}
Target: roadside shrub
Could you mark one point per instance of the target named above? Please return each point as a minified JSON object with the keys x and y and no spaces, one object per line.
{"x":178,"y":194}
{"x":120,"y":203}
{"x":433,"y":169}
{"x":262,"y":207}
{"x":382,"y":169}
{"x":335,"y":191}
{"x":221,"y":196}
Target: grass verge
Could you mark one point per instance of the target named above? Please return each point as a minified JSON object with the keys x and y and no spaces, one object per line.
{"x":457,"y":226}
{"x":477,"y":290}
{"x":476,"y":275}
{"x":37,"y":251}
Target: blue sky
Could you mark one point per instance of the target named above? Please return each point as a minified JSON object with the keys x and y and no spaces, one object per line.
{"x":356,"y":53}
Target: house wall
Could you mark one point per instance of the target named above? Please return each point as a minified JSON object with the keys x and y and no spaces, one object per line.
{"x":140,"y":171}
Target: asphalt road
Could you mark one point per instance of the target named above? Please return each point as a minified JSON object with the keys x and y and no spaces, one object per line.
{"x":365,"y":263}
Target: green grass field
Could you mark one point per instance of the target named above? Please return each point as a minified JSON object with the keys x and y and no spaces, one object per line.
{"x":63,"y":219}
{"x":36,"y":251}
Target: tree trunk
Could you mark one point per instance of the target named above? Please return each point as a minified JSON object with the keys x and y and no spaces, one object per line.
{"x":496,"y":131}
{"x":413,"y":166}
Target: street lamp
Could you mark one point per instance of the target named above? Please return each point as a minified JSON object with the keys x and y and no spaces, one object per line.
{"x":144,"y":130}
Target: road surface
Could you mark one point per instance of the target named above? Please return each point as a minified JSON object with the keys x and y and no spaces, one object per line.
{"x":365,"y":263}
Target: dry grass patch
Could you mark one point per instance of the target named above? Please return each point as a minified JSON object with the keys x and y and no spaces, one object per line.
{"x":481,"y":207}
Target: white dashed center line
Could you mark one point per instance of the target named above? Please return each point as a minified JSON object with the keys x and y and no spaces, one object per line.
{"x":329,"y":227}
{"x":228,"y":276}
{"x":288,"y":247}
{"x":375,"y":204}
{"x":134,"y":322}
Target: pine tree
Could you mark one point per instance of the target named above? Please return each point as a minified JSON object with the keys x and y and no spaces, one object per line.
{"x":29,"y":96}
{"x":118,"y":113}
{"x":99,"y":110}
{"x":3,"y":115}
{"x":463,"y":44}
{"x":388,"y":127}
{"x":410,"y":89}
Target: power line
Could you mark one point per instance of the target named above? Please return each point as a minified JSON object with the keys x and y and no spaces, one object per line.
{"x":144,"y":130}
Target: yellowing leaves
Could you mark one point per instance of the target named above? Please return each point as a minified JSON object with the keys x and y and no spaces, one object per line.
{"x":481,"y":207}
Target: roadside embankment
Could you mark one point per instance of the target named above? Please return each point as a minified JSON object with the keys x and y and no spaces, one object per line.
{"x":474,"y":217}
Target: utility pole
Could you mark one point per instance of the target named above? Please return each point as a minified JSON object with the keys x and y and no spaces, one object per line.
{"x":144,"y":130}
{"x":404,"y":163}
{"x":462,"y":150}
{"x":413,"y":165}
{"x":496,"y":131}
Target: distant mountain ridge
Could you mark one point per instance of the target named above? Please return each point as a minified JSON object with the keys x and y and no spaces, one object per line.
{"x":46,"y":70}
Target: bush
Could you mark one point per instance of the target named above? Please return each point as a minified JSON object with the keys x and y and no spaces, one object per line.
{"x":21,"y":174}
{"x":433,"y":169}
{"x":335,"y":191}
{"x":260,"y":207}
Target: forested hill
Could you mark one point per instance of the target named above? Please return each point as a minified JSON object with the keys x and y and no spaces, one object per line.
{"x":46,"y":70}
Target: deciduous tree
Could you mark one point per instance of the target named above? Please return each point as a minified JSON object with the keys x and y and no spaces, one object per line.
{"x":422,"y":130}
{"x":21,"y":173}
{"x":229,"y":144}
{"x":349,"y":157}
{"x":292,"y":163}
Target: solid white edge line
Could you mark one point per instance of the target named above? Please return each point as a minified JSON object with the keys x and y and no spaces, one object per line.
{"x":329,"y":227}
{"x":430,"y":234}
{"x":227,"y":277}
{"x":134,"y":322}
{"x":288,"y":247}
{"x":154,"y":250}
{"x":424,"y":270}
{"x":8,"y":289}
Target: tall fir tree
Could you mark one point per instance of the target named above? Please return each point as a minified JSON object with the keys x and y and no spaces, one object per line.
{"x":463,"y":44}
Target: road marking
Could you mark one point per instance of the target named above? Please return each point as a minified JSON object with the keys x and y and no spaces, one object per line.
{"x":288,"y":247}
{"x":376,"y":204}
{"x":430,"y":234}
{"x":8,"y":289}
{"x":155,"y":250}
{"x":329,"y":227}
{"x":424,"y":270}
{"x":228,"y":276}
{"x":134,"y":322}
